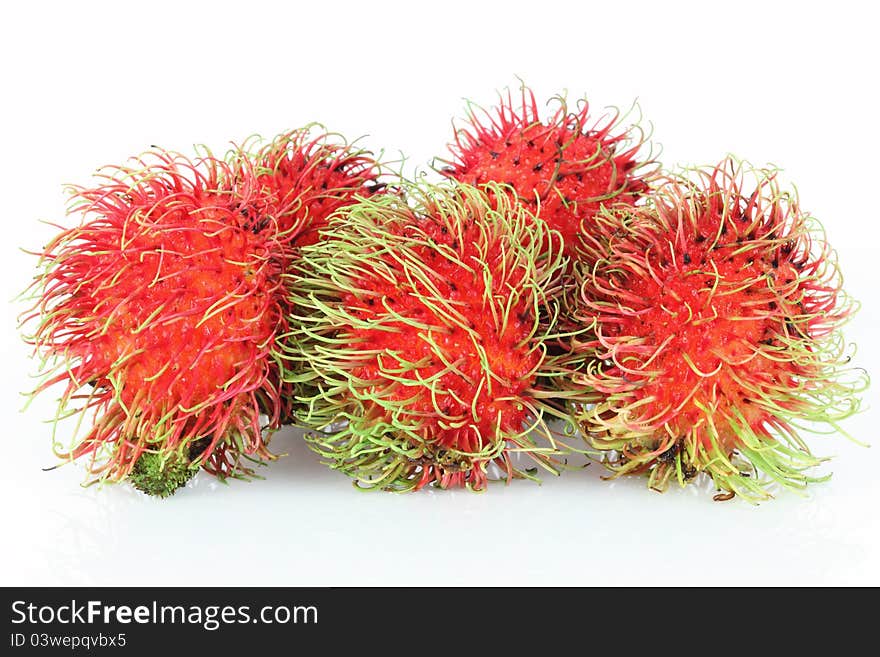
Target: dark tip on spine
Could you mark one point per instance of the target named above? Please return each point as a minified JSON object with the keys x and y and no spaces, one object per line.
{"x":538,"y":166}
{"x":686,"y":258}
{"x":494,"y":155}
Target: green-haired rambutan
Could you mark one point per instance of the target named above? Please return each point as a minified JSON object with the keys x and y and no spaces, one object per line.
{"x":564,"y":169}
{"x":716,"y":312}
{"x":157,"y":315}
{"x":418,"y":323}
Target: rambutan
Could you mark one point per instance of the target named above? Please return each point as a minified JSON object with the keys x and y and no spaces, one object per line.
{"x":564,"y":169}
{"x":306,"y":175}
{"x":418,"y":325}
{"x":158,"y":315}
{"x":716,"y":312}
{"x":303,"y":176}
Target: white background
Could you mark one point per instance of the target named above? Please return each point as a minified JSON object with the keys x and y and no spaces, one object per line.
{"x":86,"y":84}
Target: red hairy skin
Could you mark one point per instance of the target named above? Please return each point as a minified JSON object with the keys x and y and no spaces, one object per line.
{"x":304,"y":178}
{"x":563,"y":169}
{"x":419,"y":329}
{"x":508,"y":351}
{"x":715,"y":312}
{"x":497,"y":408}
{"x":158,"y":314}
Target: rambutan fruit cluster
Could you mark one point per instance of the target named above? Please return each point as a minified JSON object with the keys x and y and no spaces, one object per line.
{"x":423,"y":322}
{"x":553,"y":282}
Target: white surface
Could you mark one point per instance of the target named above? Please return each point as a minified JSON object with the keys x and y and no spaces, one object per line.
{"x":87,"y":84}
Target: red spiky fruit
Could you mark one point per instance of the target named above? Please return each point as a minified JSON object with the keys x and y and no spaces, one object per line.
{"x":158,"y":315}
{"x":305,"y":176}
{"x":716,"y":311}
{"x":418,"y":326}
{"x":564,"y":169}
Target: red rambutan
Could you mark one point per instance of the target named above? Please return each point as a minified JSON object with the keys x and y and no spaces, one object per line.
{"x":304,"y":176}
{"x":158,"y":315}
{"x":716,"y":312}
{"x":563,"y":169}
{"x":417,"y":323}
